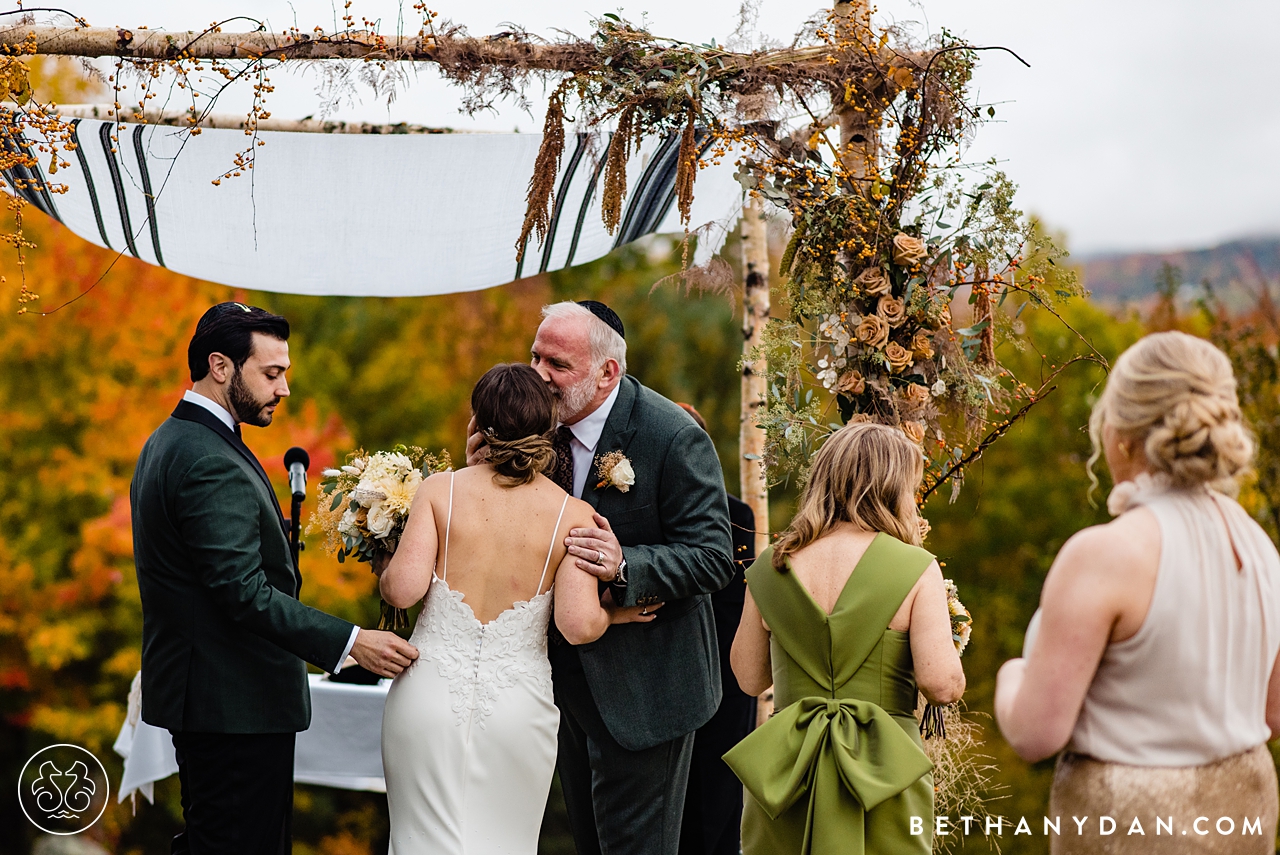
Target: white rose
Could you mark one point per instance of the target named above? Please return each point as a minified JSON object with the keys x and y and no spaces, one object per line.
{"x":347,"y":525}
{"x":380,"y":520}
{"x":623,"y":476}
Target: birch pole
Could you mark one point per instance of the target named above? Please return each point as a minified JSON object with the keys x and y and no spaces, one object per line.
{"x":752,"y":484}
{"x":857,"y":138}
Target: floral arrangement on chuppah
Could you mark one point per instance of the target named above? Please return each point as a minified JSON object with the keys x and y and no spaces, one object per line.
{"x":368,"y":505}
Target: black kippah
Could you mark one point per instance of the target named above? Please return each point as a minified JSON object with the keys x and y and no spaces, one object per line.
{"x":604,"y":313}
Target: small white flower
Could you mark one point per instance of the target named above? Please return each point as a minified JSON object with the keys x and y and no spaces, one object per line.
{"x":347,"y":525}
{"x":353,"y":470}
{"x":841,"y":362}
{"x":939,"y":389}
{"x":331,"y":473}
{"x":822,"y":363}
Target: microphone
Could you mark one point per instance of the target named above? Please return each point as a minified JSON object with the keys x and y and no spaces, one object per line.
{"x":296,"y":460}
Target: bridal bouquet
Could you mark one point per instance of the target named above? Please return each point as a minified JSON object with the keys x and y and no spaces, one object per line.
{"x":365,"y":504}
{"x":961,"y":620}
{"x":931,"y":722}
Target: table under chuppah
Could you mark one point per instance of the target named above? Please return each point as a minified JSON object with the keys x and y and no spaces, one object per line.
{"x":342,"y":748}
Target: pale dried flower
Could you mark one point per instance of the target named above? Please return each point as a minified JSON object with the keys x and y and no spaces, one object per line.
{"x":893,"y":310}
{"x":914,"y":431}
{"x":872,"y":281}
{"x":922,"y":345}
{"x":851,"y":382}
{"x":916,"y":394}
{"x":908,"y":251}
{"x":872,"y":331}
{"x":899,"y":357}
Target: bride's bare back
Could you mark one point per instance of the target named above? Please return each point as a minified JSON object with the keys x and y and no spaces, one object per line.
{"x":498,"y":539}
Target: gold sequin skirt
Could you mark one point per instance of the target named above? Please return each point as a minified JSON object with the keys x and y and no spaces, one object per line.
{"x":1224,"y":807}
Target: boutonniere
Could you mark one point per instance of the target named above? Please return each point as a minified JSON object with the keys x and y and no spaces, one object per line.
{"x":614,"y":470}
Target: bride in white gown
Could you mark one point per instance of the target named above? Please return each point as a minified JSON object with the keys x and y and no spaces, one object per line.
{"x":469,"y":730}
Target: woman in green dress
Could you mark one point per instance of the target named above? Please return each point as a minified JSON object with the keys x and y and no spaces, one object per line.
{"x":845,"y":616}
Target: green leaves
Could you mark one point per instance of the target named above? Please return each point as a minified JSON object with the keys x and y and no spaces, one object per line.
{"x":974,"y":330}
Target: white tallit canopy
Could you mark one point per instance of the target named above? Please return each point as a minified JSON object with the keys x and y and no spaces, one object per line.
{"x":370,"y":215}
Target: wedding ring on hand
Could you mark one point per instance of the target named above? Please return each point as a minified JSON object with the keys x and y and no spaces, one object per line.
{"x":599,"y":557}
{"x":644,"y":610}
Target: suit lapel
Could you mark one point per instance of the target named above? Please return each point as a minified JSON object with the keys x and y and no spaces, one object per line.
{"x":616,"y":435}
{"x":190,"y":412}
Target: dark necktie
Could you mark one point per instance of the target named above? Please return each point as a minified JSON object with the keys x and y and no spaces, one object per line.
{"x":562,"y":474}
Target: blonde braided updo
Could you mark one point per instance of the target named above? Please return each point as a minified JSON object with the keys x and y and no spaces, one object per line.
{"x":1176,"y":395}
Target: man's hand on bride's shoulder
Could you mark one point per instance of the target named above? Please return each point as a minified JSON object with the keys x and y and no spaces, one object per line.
{"x":477,"y":451}
{"x":628,"y":614}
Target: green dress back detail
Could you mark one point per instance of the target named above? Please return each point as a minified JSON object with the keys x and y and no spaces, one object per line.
{"x":839,"y":769}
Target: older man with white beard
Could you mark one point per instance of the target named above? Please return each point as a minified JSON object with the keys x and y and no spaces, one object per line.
{"x":630,"y":701}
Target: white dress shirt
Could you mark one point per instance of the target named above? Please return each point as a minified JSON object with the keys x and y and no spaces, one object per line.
{"x":586,"y":436}
{"x":226,"y":418}
{"x":212,"y":406}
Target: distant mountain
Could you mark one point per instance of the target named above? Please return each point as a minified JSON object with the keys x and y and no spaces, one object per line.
{"x":1132,"y":276}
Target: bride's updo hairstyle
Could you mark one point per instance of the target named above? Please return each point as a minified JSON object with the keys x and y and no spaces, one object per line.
{"x":865,"y":474}
{"x":516,"y":412}
{"x":1175,"y":396}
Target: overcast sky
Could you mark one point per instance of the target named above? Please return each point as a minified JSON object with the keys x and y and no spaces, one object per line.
{"x":1141,"y":124}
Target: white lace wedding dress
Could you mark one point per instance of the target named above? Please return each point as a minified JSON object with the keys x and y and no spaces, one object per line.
{"x":469,"y":730}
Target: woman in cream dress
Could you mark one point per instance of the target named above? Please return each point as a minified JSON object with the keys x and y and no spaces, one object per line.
{"x":1152,"y":658}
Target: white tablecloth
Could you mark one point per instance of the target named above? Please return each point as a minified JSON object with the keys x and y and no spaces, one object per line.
{"x":343,"y":747}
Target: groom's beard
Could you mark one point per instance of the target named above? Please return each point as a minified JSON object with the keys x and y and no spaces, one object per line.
{"x":249,"y":409}
{"x":575,"y":399}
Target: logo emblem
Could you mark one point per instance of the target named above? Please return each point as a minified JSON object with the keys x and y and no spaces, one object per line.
{"x":63,"y":789}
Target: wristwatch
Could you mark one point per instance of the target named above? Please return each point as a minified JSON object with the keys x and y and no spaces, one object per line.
{"x":620,"y":578}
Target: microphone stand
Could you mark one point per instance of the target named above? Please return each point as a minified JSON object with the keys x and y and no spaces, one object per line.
{"x":296,"y":463}
{"x":295,"y":527}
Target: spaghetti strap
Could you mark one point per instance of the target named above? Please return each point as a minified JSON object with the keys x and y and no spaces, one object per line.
{"x":552,"y":548}
{"x":448,"y":521}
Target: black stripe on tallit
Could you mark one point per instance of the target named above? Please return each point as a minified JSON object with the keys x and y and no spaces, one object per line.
{"x":88,"y":181}
{"x":586,"y":202}
{"x":104,"y":134}
{"x":565,"y":181}
{"x":669,"y":148}
{"x":650,"y":222}
{"x":28,"y":183}
{"x":140,"y":152}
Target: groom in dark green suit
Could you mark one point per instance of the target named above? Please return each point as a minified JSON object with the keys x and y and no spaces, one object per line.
{"x":224,"y":638}
{"x":631,"y":701}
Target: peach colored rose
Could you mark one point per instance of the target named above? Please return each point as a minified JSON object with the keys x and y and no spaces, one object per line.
{"x":899,"y":357}
{"x":872,"y":281}
{"x":922,"y":345}
{"x":893,"y":310}
{"x":916,"y":394}
{"x":908,"y":251}
{"x":914,"y":431}
{"x":851,"y":382}
{"x":872,"y":331}
{"x":859,"y":419}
